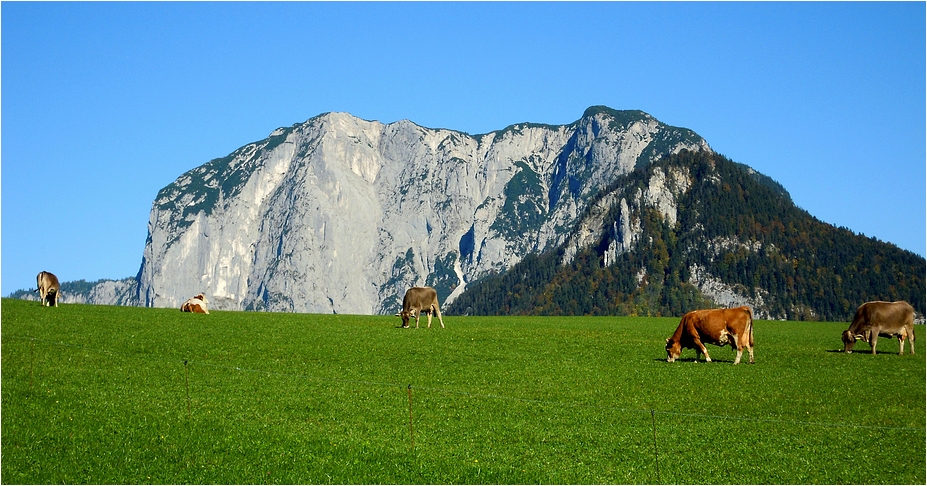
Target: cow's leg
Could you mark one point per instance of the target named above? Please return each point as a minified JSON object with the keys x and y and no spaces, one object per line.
{"x":736,"y":345}
{"x":901,"y":343}
{"x":438,"y":312}
{"x":739,"y":345}
{"x":701,"y":347}
{"x":873,"y":339}
{"x":418,"y":314}
{"x":429,"y":319}
{"x":911,"y":340}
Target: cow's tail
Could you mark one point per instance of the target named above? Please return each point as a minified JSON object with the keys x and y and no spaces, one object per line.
{"x":750,"y":325}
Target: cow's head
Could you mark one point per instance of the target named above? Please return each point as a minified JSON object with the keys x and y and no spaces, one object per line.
{"x":405,"y":315}
{"x":673,"y":348}
{"x":849,"y":339}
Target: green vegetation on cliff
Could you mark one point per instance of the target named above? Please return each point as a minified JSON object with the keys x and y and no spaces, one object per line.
{"x":733,"y":223}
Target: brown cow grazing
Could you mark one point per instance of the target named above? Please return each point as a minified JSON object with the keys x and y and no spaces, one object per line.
{"x":48,"y":288}
{"x":874,"y":319}
{"x":420,"y":299}
{"x":720,"y":327}
{"x":196,"y":304}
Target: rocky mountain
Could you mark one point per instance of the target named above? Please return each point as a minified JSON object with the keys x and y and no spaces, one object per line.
{"x":340,"y":214}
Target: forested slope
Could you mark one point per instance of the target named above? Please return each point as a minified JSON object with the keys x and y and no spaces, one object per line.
{"x":734,"y":229}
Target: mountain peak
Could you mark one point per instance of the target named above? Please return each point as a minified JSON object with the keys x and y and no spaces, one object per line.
{"x":613,"y":113}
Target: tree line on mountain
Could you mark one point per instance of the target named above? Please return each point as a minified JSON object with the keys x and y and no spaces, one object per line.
{"x":738,"y":226}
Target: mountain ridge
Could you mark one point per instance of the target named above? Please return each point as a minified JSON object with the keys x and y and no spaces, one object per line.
{"x":341,"y":214}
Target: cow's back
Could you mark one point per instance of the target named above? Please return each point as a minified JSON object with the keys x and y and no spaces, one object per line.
{"x":47,"y":281}
{"x":711,"y":323}
{"x":883,"y":317}
{"x":420,"y":298}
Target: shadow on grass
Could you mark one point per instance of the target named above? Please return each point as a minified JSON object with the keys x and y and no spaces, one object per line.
{"x":864,"y":351}
{"x":693,"y":360}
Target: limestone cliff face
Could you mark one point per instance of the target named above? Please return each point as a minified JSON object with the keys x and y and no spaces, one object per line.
{"x":663,"y":190}
{"x":340,"y":214}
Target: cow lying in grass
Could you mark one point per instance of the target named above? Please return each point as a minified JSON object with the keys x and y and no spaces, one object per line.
{"x":196,"y":304}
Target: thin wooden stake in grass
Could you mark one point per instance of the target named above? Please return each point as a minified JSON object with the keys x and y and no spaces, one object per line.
{"x":411,"y":435}
{"x":31,"y":363}
{"x":653,"y":421}
{"x":186,"y":380}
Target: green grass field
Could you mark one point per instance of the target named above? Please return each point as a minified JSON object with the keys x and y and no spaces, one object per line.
{"x":97,"y":394}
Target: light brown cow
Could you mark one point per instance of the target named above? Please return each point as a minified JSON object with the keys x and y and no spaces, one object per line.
{"x":720,"y":327}
{"x":48,"y":288}
{"x":874,"y":319}
{"x":196,"y":304}
{"x":420,"y":299}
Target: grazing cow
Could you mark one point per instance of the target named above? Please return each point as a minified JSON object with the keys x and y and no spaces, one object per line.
{"x":48,"y":288}
{"x":720,"y":327}
{"x":874,"y":319}
{"x":420,"y":299}
{"x":196,"y":304}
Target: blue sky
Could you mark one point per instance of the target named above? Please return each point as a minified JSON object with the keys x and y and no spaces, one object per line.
{"x":103,"y":104}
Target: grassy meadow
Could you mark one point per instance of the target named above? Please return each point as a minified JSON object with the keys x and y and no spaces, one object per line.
{"x":99,"y":394}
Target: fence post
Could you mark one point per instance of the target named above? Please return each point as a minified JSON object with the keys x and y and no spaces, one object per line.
{"x":411,"y":435}
{"x":31,"y":363}
{"x":186,"y":380}
{"x":656,"y":458}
